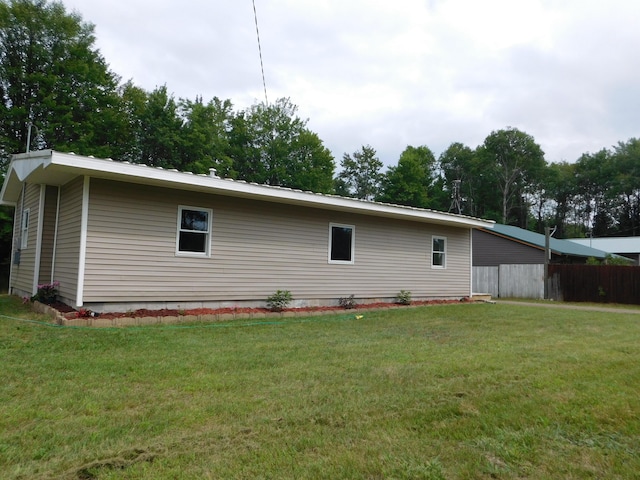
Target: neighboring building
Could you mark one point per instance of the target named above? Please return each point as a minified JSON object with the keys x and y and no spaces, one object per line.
{"x":628,"y":247}
{"x":509,"y":261}
{"x":119,"y":236}
{"x":505,"y":244}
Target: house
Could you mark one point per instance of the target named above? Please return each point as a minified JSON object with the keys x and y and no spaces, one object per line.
{"x":120,"y":236}
{"x":509,"y":261}
{"x":628,"y":247}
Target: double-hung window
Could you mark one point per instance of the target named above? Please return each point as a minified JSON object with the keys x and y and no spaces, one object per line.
{"x":438,"y":252}
{"x":341,"y":243}
{"x":194,"y":231}
{"x":24,"y":229}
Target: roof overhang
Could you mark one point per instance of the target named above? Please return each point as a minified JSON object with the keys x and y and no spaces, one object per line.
{"x":54,"y":168}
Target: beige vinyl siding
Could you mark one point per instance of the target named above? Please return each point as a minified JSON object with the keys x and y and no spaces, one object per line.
{"x":257,"y":248}
{"x":48,"y":233}
{"x":22,"y":274}
{"x":67,"y":252}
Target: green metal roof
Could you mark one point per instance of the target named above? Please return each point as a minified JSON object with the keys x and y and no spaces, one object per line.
{"x":558,"y":247}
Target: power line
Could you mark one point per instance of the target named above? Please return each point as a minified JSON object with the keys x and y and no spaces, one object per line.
{"x":264,"y":83}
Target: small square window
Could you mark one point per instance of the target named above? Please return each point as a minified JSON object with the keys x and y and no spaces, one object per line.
{"x":438,"y":252}
{"x":194,"y":231}
{"x":341,"y":243}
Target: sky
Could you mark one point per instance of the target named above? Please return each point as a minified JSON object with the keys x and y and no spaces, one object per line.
{"x":395,"y":73}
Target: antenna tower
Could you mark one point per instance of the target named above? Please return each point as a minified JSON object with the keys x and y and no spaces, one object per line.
{"x":456,"y":204}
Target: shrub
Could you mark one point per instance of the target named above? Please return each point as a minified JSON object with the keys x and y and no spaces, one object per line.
{"x":404,"y":297}
{"x":46,"y":293}
{"x":279,"y":300}
{"x":347,"y":302}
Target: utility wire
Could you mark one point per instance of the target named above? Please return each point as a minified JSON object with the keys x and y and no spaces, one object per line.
{"x":264,"y":83}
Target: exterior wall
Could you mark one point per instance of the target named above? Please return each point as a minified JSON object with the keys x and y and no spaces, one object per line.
{"x":22,"y":275}
{"x":48,"y":233}
{"x":491,"y":250}
{"x":67,"y":252}
{"x":256,"y":248}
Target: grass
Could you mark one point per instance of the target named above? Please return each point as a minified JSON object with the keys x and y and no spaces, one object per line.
{"x":441,"y":392}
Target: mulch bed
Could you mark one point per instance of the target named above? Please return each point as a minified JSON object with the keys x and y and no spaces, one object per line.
{"x":69,"y":312}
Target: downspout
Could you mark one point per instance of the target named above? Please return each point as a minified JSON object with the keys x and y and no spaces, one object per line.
{"x":55,"y":238}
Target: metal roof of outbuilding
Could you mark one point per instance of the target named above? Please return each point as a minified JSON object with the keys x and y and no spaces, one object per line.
{"x":557,"y":246}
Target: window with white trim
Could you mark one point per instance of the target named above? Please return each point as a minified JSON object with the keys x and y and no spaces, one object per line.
{"x":438,"y":252}
{"x":24,"y":229}
{"x":194,"y":231}
{"x":341,"y":243}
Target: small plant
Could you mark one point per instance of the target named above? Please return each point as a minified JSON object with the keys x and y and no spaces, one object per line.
{"x":347,"y":302}
{"x":46,"y":293}
{"x":404,"y":297}
{"x":279,"y":300}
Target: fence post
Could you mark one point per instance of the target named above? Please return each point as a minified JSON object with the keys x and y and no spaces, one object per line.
{"x":547,"y":235}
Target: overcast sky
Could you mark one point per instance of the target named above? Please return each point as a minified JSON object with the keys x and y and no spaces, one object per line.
{"x":395,"y":73}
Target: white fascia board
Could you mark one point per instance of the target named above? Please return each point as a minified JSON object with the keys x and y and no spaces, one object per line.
{"x":19,"y":169}
{"x":143,"y":174}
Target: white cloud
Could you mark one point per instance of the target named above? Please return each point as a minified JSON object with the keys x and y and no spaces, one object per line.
{"x":390,"y":74}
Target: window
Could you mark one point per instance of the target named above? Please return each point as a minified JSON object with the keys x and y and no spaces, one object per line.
{"x":341,"y":243}
{"x":24,"y":229}
{"x":438,"y":252}
{"x":194,"y":231}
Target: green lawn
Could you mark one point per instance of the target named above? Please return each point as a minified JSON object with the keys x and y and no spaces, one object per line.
{"x":441,"y":392}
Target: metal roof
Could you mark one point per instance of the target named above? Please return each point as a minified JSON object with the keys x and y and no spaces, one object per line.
{"x":611,"y":244}
{"x":54,"y":168}
{"x":557,"y":246}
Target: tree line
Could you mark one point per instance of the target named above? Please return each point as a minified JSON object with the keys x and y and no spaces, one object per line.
{"x":58,"y":92}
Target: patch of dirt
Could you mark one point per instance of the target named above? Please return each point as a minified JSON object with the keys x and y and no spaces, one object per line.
{"x":71,"y":313}
{"x":61,"y":307}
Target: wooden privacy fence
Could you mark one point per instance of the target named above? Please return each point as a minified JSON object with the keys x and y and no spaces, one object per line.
{"x":517,"y":281}
{"x":595,"y":283}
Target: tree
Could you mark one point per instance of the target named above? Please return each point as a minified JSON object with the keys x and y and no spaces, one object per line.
{"x":53,"y":78}
{"x":160,"y":133}
{"x":205,"y":136}
{"x":270,"y":144}
{"x":595,"y":177}
{"x":410,"y":182}
{"x":514,"y":160}
{"x":311,"y":164}
{"x":560,"y":187}
{"x":626,"y":157}
{"x":133,"y":101}
{"x":458,"y":163}
{"x":360,"y":176}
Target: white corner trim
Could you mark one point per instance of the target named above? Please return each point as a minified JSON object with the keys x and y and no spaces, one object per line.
{"x":83,"y":241}
{"x":470,"y":263}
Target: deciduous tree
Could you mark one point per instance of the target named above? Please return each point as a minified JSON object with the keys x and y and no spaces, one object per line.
{"x":52,"y":77}
{"x":270,"y":144}
{"x":360,"y":176}
{"x":410,"y":182}
{"x":512,"y":160}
